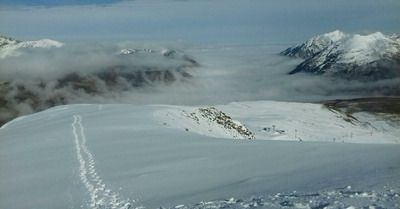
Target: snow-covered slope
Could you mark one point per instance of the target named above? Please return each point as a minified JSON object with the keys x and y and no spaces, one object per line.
{"x":311,"y":47}
{"x":127,"y":156}
{"x":269,"y":120}
{"x":357,"y":56}
{"x":10,"y":47}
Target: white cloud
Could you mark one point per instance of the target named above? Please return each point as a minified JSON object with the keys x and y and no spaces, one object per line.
{"x":227,"y":73}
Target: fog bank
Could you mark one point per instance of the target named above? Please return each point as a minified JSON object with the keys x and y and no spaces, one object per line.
{"x":222,"y":73}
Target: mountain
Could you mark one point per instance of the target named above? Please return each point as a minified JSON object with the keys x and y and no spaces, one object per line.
{"x":165,"y":52}
{"x":11,"y":47}
{"x":180,"y":157}
{"x":80,"y":79}
{"x":370,"y":57}
{"x":311,"y":47}
{"x":7,"y":41}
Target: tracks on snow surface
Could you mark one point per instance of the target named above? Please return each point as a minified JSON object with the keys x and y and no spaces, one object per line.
{"x":100,"y":196}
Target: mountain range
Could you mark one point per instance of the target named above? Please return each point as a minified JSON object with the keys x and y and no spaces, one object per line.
{"x":340,"y":153}
{"x":85,"y":73}
{"x":10,"y":46}
{"x":128,"y":68}
{"x":351,"y":56}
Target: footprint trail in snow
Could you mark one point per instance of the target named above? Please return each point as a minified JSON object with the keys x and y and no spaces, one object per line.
{"x":100,"y":196}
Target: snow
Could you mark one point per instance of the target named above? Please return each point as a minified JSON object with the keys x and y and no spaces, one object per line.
{"x":351,"y":56}
{"x":99,"y":194}
{"x":132,"y":51}
{"x":12,"y":47}
{"x":270,"y":120}
{"x":137,"y":156}
{"x":314,"y":45}
{"x":207,"y":121}
{"x":43,"y":43}
{"x":7,"y":41}
{"x":363,"y":49}
{"x":358,"y":50}
{"x":335,"y":35}
{"x":337,"y":53}
{"x":326,"y":39}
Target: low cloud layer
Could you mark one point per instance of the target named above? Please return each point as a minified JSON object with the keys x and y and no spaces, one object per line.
{"x":257,"y":73}
{"x":83,"y":58}
{"x":226,"y":73}
{"x":94,"y":73}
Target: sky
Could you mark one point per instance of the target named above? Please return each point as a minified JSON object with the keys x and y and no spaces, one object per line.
{"x":194,"y":20}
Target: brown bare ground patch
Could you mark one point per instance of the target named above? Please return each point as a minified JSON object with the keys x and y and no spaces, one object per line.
{"x":389,"y":105}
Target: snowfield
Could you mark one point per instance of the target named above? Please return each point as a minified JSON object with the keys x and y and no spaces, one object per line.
{"x":270,"y":120}
{"x":151,"y":156}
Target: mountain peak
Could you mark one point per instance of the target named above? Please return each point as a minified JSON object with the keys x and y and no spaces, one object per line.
{"x":4,"y":41}
{"x":43,"y":43}
{"x":352,"y":56}
{"x":10,"y":46}
{"x":309,"y":48}
{"x":335,"y":35}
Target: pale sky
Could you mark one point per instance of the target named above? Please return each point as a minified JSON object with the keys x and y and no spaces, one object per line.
{"x":195,"y":20}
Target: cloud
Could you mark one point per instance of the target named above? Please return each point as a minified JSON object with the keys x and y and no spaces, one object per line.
{"x":83,"y":58}
{"x":94,"y":73}
{"x":257,"y":73}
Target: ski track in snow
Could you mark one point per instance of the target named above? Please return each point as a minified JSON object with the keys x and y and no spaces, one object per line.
{"x":100,"y":196}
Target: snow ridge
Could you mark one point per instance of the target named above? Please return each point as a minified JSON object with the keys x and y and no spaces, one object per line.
{"x":375,"y":56}
{"x":314,"y":45}
{"x":5,"y":41}
{"x":10,"y":46}
{"x":100,"y":197}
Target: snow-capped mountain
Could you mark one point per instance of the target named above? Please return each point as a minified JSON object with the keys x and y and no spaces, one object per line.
{"x":6,"y":41}
{"x":311,"y":47}
{"x":165,"y":52}
{"x":135,"y":51}
{"x":10,"y":46}
{"x":373,"y":56}
{"x":65,"y":77}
